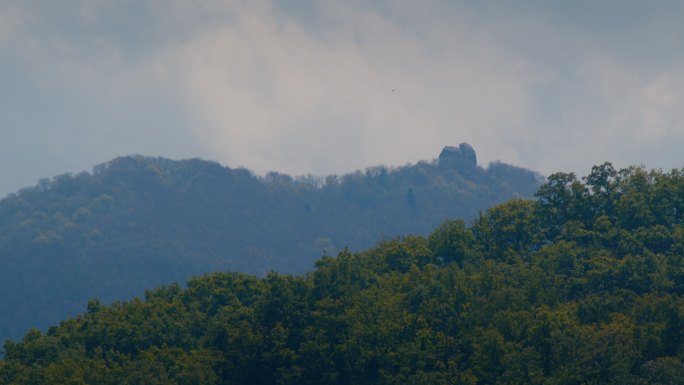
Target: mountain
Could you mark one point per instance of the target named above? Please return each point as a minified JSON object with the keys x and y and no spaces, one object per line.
{"x":584,"y":285}
{"x":136,"y":222}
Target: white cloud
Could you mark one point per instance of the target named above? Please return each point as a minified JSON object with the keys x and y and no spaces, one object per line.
{"x":334,"y":86}
{"x":269,"y":94}
{"x":11,"y":21}
{"x":609,"y":111}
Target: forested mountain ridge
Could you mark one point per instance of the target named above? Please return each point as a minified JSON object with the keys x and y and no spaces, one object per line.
{"x":584,"y":285}
{"x":137,"y":222}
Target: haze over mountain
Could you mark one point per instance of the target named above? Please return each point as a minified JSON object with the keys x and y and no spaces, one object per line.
{"x":136,"y":222}
{"x":582,"y":285}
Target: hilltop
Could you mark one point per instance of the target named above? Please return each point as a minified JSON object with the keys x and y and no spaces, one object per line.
{"x":136,"y":222}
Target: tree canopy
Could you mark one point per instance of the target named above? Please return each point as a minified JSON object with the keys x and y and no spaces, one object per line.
{"x":583,"y":285}
{"x":136,"y":223}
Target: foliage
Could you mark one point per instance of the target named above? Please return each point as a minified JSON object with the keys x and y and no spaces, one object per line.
{"x":583,"y":286}
{"x":135,"y":223}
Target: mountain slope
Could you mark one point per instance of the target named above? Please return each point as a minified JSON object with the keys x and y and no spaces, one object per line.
{"x":136,"y":223}
{"x":584,"y":285}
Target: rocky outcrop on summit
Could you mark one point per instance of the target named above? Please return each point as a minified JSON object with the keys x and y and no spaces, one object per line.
{"x":462,"y":157}
{"x":462,"y":161}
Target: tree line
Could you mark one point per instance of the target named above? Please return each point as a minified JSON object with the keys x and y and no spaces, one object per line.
{"x":136,"y":223}
{"x":582,"y":285}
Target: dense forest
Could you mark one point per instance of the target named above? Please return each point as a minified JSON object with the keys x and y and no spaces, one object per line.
{"x":136,"y":223}
{"x":582,"y":285}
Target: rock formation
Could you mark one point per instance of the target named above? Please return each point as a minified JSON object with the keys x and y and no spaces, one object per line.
{"x":462,"y":157}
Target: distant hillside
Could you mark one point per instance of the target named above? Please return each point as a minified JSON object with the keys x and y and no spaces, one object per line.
{"x":135,"y":223}
{"x":584,"y":285}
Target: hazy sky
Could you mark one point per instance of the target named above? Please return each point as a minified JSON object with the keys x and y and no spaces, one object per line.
{"x":321,"y":87}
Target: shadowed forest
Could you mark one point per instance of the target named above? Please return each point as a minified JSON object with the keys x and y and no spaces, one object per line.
{"x":136,"y":223}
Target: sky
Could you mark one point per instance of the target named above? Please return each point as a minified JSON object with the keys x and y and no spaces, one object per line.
{"x":323,"y":87}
